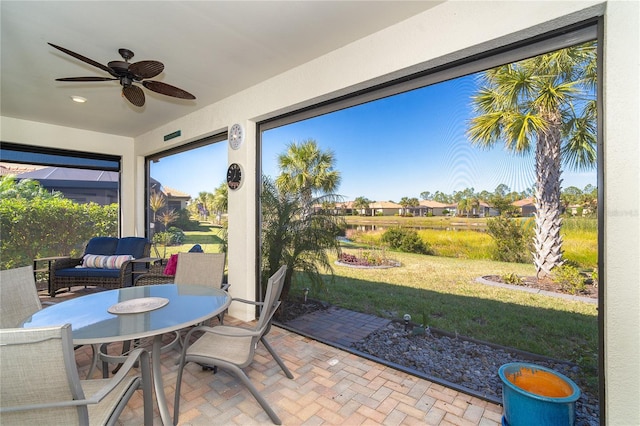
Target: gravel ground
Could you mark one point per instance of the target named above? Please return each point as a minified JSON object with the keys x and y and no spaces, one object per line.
{"x":468,"y":364}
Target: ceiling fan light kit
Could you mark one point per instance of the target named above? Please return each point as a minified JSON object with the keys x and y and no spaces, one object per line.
{"x":129,"y":74}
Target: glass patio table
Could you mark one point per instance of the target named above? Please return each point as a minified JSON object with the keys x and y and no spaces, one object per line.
{"x":160,"y":309}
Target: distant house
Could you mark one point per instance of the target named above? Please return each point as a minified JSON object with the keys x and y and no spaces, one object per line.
{"x":85,"y":185}
{"x":486,"y":210}
{"x":344,"y":208}
{"x":79,"y":185}
{"x":385,"y":208}
{"x":526,"y":206}
{"x":430,"y":208}
{"x":176,"y":200}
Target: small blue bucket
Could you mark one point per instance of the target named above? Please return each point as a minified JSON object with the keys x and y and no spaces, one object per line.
{"x":533,"y":395}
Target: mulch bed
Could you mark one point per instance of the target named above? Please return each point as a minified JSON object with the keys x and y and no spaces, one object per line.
{"x":546,"y":284}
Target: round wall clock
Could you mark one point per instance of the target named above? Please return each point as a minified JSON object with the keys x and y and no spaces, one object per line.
{"x":234,"y":176}
{"x":236,"y":136}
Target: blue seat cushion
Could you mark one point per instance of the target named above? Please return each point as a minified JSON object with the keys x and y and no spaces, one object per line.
{"x":88,"y":272}
{"x":102,"y":245}
{"x":131,"y":245}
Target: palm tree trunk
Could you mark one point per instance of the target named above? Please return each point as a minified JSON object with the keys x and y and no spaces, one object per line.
{"x":547,"y":239}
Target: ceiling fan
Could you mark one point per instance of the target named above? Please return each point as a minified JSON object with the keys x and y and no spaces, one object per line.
{"x":128,"y":74}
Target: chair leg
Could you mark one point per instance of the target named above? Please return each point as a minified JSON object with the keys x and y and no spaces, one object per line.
{"x":263,"y":402}
{"x":276,"y":357}
{"x":176,"y":403}
{"x":126,"y":347}
{"x":105,"y":364}
{"x":94,"y":360}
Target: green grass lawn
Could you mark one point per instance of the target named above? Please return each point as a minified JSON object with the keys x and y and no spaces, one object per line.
{"x":442,"y":290}
{"x":209,"y":237}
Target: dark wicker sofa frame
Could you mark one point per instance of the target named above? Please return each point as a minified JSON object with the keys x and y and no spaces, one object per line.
{"x":123,"y":278}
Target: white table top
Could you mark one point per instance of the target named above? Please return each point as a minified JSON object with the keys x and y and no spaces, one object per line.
{"x":91,"y":323}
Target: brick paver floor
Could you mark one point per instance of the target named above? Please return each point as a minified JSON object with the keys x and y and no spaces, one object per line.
{"x":330,"y":387}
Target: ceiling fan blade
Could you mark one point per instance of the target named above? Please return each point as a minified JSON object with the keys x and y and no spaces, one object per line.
{"x":84,"y":59}
{"x":146,"y":69}
{"x":86,"y":79}
{"x":167,"y":89}
{"x":134,"y":94}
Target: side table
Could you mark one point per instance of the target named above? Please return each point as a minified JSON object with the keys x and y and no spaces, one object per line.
{"x":147,"y":261}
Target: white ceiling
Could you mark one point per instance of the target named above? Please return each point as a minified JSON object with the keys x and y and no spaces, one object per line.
{"x":212,"y":49}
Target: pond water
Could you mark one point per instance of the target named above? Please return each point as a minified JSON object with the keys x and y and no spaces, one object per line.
{"x":443,"y":227}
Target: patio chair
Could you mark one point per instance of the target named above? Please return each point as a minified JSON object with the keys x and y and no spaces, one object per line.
{"x":193,"y":268}
{"x":40,"y":382}
{"x":233,"y":348}
{"x":19,"y":300}
{"x":18,"y":296}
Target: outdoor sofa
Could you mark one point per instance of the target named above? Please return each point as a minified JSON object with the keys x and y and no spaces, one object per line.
{"x":107,"y":262}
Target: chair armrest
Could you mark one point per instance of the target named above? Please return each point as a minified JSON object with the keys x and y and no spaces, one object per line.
{"x":67,"y":262}
{"x":249,"y":302}
{"x":221,"y":330}
{"x":104,"y":391}
{"x":138,"y":354}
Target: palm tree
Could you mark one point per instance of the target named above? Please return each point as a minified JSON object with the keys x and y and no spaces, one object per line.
{"x":407,"y":202}
{"x":157,"y":201}
{"x":546,"y":102}
{"x":361,"y":204}
{"x":202,"y":205}
{"x":307,"y":169}
{"x":292,"y":237}
{"x":220,"y":200}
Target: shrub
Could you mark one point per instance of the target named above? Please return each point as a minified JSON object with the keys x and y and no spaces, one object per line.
{"x":513,"y":240}
{"x":184,"y":221}
{"x":512,"y":278}
{"x":37,"y":224}
{"x":171,"y":237}
{"x":569,"y":278}
{"x":406,"y":240}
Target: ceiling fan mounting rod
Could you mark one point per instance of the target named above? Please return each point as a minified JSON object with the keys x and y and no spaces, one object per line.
{"x":126,"y":54}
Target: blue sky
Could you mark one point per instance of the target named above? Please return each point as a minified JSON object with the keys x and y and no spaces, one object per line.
{"x":387,"y":149}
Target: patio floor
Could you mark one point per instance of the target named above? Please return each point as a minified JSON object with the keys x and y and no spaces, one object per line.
{"x":330,"y":387}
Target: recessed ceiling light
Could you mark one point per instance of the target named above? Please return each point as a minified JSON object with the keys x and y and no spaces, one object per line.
{"x":78,"y":99}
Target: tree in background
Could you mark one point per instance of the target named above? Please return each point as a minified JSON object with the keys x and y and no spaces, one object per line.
{"x":307,"y":169}
{"x":220,"y":201}
{"x":466,"y":201}
{"x":292,"y":236}
{"x":361,"y":204}
{"x":157,"y":201}
{"x":441,"y":197}
{"x":407,"y":202}
{"x":426,"y":195}
{"x":502,"y":198}
{"x":546,"y":102}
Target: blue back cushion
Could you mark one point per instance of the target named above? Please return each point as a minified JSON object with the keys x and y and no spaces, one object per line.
{"x":131,"y":245}
{"x":102,"y":245}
